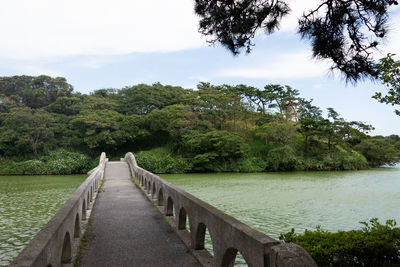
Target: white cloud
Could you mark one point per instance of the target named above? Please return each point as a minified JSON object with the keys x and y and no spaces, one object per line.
{"x":288,"y":65}
{"x":32,"y":30}
{"x":93,"y":62}
{"x":393,"y":41}
{"x":48,"y":28}
{"x":298,"y":7}
{"x":198,"y":78}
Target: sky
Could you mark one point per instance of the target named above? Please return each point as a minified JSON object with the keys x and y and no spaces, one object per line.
{"x":113,"y":44}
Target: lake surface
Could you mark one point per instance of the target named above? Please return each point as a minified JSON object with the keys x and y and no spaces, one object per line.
{"x":27,"y":203}
{"x":273,"y":203}
{"x":270,"y":202}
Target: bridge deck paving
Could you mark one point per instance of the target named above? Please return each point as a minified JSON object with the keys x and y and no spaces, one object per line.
{"x":125,"y":229}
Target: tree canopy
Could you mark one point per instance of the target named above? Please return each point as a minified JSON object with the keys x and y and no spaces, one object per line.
{"x":213,"y":128}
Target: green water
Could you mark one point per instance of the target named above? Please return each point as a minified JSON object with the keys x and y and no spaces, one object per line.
{"x":274,"y":203}
{"x":270,"y":202}
{"x":27,"y":203}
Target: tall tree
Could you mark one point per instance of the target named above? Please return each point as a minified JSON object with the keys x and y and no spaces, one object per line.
{"x":35,"y":92}
{"x":378,"y":152}
{"x":173,"y":120}
{"x":219,"y":103}
{"x":389,"y":74}
{"x":105,"y":129}
{"x":283,"y":98}
{"x":143,"y":98}
{"x":335,"y":128}
{"x":279,"y":131}
{"x":310,"y":121}
{"x":25,"y":129}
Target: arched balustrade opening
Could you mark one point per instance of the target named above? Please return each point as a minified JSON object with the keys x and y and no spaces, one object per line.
{"x":160,"y":199}
{"x":148,"y":187}
{"x":66,"y":253}
{"x":233,"y":257}
{"x":170,"y":207}
{"x":153,"y":190}
{"x":77,"y":228}
{"x":88,"y":200}
{"x":183,"y":220}
{"x":203,"y":239}
{"x":84,"y":209}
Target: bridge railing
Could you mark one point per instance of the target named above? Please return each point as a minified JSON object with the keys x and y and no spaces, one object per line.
{"x":54,"y":244}
{"x":228,"y":235}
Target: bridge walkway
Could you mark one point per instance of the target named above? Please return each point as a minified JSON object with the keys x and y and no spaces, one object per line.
{"x":126,"y":230}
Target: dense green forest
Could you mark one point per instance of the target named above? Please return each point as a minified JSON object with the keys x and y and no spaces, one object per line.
{"x":46,"y":127}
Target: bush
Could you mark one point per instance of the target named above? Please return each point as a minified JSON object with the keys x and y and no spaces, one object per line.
{"x":54,"y":162}
{"x":32,"y":167}
{"x":309,"y":164}
{"x":374,"y":245}
{"x":281,"y":158}
{"x":161,"y":160}
{"x":28,"y":167}
{"x":346,"y":160}
{"x":249,"y":164}
{"x":341,"y":159}
{"x":244,"y":164}
{"x":211,"y":151}
{"x":378,"y":152}
{"x":65,"y":162}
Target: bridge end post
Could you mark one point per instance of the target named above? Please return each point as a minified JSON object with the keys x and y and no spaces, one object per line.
{"x":288,"y":254}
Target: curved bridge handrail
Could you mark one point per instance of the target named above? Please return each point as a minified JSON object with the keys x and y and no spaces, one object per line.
{"x":102,"y":162}
{"x":228,"y":235}
{"x":52,"y":245}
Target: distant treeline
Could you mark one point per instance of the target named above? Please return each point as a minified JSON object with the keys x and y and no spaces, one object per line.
{"x":172,"y":129}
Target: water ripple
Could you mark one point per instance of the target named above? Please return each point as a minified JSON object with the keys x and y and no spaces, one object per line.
{"x":26,"y":204}
{"x":273,"y":203}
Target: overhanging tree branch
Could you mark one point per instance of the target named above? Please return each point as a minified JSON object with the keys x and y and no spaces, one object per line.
{"x":344,"y":32}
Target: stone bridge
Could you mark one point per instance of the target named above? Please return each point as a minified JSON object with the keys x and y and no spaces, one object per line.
{"x":152,"y":223}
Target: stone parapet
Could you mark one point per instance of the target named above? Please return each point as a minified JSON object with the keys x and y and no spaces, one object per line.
{"x":228,"y":235}
{"x":59,"y":239}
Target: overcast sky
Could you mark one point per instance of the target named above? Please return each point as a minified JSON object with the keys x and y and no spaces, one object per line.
{"x":103,"y":44}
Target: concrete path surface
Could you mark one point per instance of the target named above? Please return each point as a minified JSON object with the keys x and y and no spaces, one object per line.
{"x":126,"y":230}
